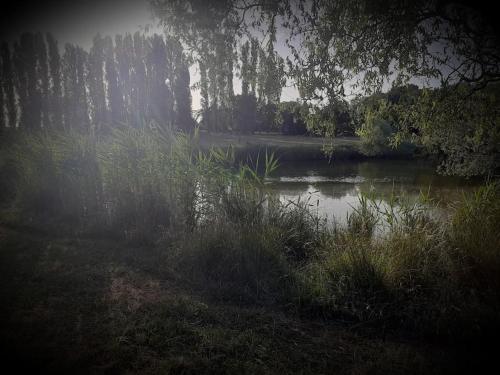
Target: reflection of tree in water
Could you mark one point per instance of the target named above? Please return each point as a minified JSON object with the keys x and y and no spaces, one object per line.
{"x":385,"y":179}
{"x":336,"y":190}
{"x":381,"y":179}
{"x":290,"y":188}
{"x":384,"y":190}
{"x":394,"y":170}
{"x":318,"y":168}
{"x":343,"y":169}
{"x":329,"y":189}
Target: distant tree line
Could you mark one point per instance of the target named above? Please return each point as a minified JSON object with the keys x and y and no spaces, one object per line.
{"x":133,"y":79}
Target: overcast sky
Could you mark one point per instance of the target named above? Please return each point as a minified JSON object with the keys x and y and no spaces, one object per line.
{"x":75,"y":21}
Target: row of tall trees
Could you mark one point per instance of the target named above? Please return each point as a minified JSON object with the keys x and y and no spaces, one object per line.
{"x":221,"y":51}
{"x":133,"y":79}
{"x":262,"y":75}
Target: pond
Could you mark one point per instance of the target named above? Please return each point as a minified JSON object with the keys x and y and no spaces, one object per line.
{"x":333,"y":190}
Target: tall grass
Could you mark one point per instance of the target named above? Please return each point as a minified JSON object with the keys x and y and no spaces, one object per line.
{"x":433,"y":277}
{"x":55,"y":175}
{"x":226,"y":234}
{"x":133,"y":182}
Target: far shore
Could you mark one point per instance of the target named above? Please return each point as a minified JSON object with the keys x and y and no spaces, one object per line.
{"x":293,"y":147}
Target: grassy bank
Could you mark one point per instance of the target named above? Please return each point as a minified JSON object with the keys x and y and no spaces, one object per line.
{"x":138,"y":252}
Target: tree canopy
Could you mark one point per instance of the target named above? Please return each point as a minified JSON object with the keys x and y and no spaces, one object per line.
{"x":343,"y":48}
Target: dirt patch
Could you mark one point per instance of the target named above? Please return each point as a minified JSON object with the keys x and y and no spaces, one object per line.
{"x":134,"y":293}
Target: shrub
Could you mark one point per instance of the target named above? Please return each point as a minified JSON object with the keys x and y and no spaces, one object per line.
{"x":375,"y":135}
{"x":475,"y":237}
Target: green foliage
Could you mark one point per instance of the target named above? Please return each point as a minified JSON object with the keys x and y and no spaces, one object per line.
{"x":245,"y":113}
{"x":292,"y":118}
{"x":133,"y":80}
{"x":461,"y":129}
{"x":375,"y":134}
{"x":456,"y":125}
{"x":386,"y":121}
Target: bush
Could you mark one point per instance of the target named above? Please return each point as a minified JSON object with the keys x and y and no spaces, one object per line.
{"x":375,"y":135}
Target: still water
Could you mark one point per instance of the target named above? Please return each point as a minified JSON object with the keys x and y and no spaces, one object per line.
{"x":333,"y":190}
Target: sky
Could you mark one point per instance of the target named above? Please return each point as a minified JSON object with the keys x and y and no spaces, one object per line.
{"x":75,"y":21}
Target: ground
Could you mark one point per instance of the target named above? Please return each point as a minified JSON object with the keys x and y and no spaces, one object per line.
{"x":83,"y":305}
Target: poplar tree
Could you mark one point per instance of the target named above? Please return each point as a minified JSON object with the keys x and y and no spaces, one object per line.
{"x":244,"y":69}
{"x":2,"y":111}
{"x":42,"y":73}
{"x":55,"y":95}
{"x":34,"y":98}
{"x":113,"y":94}
{"x":261,"y":76}
{"x":252,"y":68}
{"x":26,"y":81}
{"x":21,"y":84}
{"x":76,"y":113}
{"x":96,"y":83}
{"x":213,"y":118}
{"x":138,"y":79}
{"x":231,"y":56}
{"x":123,"y":52}
{"x":70,"y":82}
{"x":220,"y":71}
{"x":8,"y":86}
{"x":181,"y":89}
{"x":160,"y":99}
{"x":80,"y":90}
{"x":204,"y":96}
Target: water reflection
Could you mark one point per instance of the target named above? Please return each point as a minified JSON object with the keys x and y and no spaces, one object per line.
{"x":332,"y":190}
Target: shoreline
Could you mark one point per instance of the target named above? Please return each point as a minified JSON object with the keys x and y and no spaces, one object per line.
{"x":294,"y":147}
